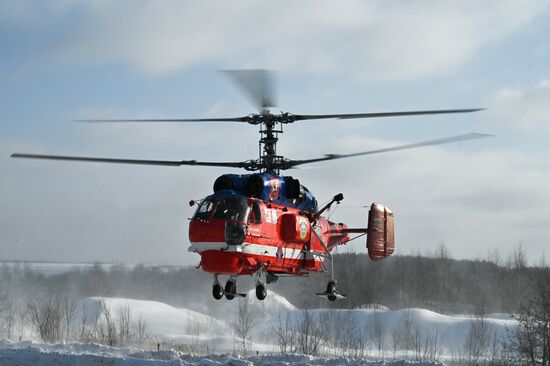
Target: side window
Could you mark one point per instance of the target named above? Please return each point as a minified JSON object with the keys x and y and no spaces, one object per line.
{"x":255,"y":215}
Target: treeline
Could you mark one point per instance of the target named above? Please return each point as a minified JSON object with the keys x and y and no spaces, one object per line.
{"x":438,"y":283}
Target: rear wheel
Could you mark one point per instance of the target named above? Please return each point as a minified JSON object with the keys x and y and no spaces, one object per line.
{"x":217,"y":291}
{"x":331,"y":290}
{"x":230,"y":289}
{"x":261,"y":291}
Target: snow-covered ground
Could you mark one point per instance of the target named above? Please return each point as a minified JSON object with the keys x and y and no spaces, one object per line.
{"x":80,"y":354}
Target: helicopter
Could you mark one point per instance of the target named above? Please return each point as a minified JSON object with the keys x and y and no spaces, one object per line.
{"x":266,"y":224}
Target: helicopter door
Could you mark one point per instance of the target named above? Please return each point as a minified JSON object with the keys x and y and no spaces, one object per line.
{"x":255,"y":214}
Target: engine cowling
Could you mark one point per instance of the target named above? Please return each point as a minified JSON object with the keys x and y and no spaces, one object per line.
{"x":380,"y":234}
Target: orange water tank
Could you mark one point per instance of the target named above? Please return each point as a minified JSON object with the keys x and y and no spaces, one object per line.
{"x":380,"y":235}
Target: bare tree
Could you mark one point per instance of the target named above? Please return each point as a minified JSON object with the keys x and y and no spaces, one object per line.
{"x":123,"y":322}
{"x":331,"y":331}
{"x":378,"y":334}
{"x":531,"y":339}
{"x":140,"y":330}
{"x":285,"y":333}
{"x":308,"y":333}
{"x":7,"y":311}
{"x":243,"y":324}
{"x":416,"y":339}
{"x":477,"y":339}
{"x":395,"y":338}
{"x":360,"y":342}
{"x":68,"y":309}
{"x":517,"y":259}
{"x":495,"y":347}
{"x":431,"y":345}
{"x":107,"y":329}
{"x":494,"y":256}
{"x":406,"y":328}
{"x":88,"y":325}
{"x":45,"y":316}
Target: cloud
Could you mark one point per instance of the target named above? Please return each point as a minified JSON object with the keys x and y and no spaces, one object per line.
{"x":527,"y":109}
{"x":470,"y":198}
{"x":370,"y":40}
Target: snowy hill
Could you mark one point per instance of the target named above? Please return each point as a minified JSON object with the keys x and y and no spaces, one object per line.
{"x":162,"y":320}
{"x":215,"y":331}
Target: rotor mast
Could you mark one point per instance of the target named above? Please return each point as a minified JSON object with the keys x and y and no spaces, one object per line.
{"x":269,"y":131}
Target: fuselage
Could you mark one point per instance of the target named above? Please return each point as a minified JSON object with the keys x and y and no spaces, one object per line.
{"x":237,"y":234}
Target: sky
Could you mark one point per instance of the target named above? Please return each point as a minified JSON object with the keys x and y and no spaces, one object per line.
{"x":68,"y":59}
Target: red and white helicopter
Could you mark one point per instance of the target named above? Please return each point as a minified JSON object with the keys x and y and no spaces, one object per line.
{"x":266,"y":224}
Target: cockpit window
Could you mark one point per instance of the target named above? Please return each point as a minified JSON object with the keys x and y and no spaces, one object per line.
{"x":222,"y":208}
{"x":204,"y":209}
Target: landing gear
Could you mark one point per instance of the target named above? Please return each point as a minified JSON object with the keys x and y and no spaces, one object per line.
{"x":261,"y":291}
{"x":230,"y":289}
{"x":331,"y":291}
{"x":217,"y":291}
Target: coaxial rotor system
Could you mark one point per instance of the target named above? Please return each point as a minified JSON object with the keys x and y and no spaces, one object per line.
{"x":257,"y":84}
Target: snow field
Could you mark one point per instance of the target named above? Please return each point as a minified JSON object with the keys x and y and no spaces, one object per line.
{"x":81,"y":354}
{"x":215,"y":333}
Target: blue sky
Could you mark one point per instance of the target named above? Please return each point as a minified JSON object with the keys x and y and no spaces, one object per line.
{"x":137,"y":59}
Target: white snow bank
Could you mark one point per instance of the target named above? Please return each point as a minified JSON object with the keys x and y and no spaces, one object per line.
{"x":215,"y":332}
{"x":452,"y":330}
{"x":161,"y":319}
{"x":82,"y":354}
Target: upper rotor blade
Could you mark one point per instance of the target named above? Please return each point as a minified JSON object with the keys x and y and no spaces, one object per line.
{"x":300,"y":117}
{"x":234,"y":119}
{"x":130,"y":161}
{"x":446,"y":140}
{"x":258,"y":85}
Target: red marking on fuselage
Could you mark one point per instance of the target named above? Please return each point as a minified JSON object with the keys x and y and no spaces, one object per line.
{"x":275,"y":188}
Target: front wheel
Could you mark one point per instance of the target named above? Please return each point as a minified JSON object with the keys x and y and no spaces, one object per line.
{"x":230,"y":289}
{"x":261,"y":291}
{"x":217,"y":291}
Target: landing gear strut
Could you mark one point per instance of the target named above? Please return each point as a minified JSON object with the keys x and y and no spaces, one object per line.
{"x":331,"y":293}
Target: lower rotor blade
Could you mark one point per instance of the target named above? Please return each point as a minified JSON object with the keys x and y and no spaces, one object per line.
{"x":130,"y":161}
{"x":446,"y":140}
{"x":384,"y":114}
{"x":232,"y":119}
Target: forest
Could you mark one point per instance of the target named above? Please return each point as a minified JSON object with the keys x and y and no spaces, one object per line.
{"x":48,"y":303}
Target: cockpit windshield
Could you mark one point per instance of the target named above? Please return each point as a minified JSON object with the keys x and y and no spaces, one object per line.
{"x":222,"y":208}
